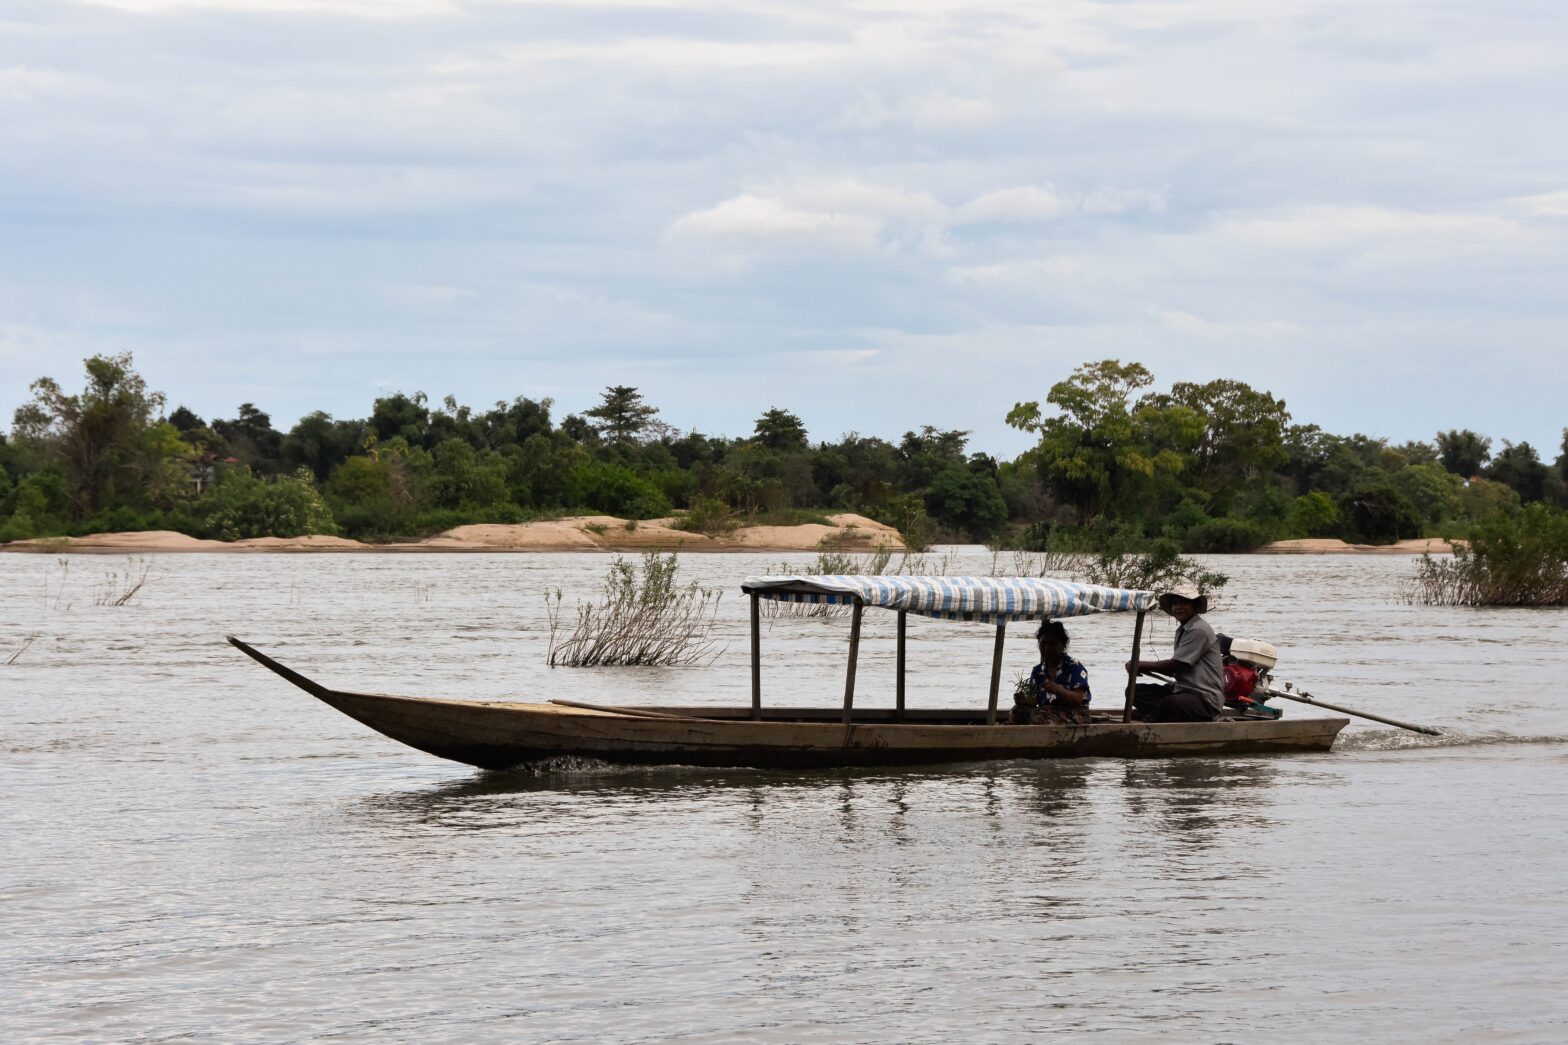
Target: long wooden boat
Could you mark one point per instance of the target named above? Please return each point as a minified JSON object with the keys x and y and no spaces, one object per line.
{"x":499,"y":735}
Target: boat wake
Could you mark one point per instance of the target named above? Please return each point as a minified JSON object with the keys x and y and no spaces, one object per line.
{"x":1400,"y":740}
{"x":565,"y":765}
{"x":580,"y":766}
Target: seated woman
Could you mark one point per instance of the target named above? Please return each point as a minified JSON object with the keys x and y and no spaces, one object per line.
{"x":1057,"y":691}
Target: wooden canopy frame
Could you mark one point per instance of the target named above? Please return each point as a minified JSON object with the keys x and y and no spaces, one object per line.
{"x":858,"y":611}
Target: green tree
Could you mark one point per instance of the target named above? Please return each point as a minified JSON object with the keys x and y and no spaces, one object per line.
{"x":1483,"y":497}
{"x":618,"y":491}
{"x":462,"y":477}
{"x":1519,"y":467}
{"x":321,"y":444}
{"x":1434,"y":491}
{"x":1377,"y":513}
{"x":101,"y":437}
{"x":1463,"y":452}
{"x":928,"y":453}
{"x":251,"y":438}
{"x":400,"y":416}
{"x":241,"y":506}
{"x":1313,"y":515}
{"x":622,"y":414}
{"x":380,"y":493}
{"x":38,"y":506}
{"x":1089,"y":452}
{"x":780,"y":430}
{"x":512,"y":424}
{"x":1243,"y":436}
{"x":968,"y":501}
{"x":184,"y":420}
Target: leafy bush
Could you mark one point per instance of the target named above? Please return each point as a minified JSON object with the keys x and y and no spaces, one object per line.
{"x":615,"y":490}
{"x":709,"y":516}
{"x":439,"y":519}
{"x":789,"y":517}
{"x":1225,"y":535}
{"x":964,"y":500}
{"x":1184,"y":518}
{"x":123,"y":519}
{"x":1512,"y":559}
{"x":1151,"y":568}
{"x":240,"y":506}
{"x":1377,"y":513}
{"x":1036,"y":537}
{"x":907,"y":514}
{"x":462,"y":477}
{"x":38,"y":507}
{"x":1313,"y":515}
{"x":373,"y":497}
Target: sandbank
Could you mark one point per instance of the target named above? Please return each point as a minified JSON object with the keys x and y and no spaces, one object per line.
{"x":847,"y":532}
{"x":1334,"y":546}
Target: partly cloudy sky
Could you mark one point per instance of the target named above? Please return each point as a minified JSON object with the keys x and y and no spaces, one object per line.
{"x":876,"y":214}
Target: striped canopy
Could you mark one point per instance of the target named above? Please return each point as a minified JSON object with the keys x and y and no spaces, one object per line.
{"x":991,"y":599}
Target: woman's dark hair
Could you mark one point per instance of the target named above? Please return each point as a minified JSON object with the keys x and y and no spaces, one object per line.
{"x":1052,"y":629}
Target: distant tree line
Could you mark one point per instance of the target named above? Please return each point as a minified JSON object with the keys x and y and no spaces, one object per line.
{"x":1218,"y":466}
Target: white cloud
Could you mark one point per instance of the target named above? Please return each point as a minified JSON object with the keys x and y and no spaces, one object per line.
{"x":1550,"y":204}
{"x":838,"y":213}
{"x":757,"y":218}
{"x":854,"y":195}
{"x":1253,"y":331}
{"x":1106,"y":200}
{"x":1021,"y":203}
{"x":1330,"y":226}
{"x":26,"y":83}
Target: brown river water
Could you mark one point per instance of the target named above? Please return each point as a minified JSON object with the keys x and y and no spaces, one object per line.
{"x":195,"y":850}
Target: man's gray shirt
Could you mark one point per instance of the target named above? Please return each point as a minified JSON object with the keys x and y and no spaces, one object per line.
{"x":1202,"y":671}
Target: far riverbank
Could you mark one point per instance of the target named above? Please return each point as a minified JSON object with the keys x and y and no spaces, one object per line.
{"x":845,"y":532}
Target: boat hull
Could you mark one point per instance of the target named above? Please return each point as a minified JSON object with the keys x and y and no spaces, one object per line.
{"x":499,"y":735}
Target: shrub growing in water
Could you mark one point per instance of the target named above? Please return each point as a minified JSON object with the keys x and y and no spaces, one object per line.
{"x":643,"y":617}
{"x":1512,"y":559}
{"x":1151,"y":569}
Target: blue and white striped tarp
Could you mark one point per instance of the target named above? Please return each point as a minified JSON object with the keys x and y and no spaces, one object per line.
{"x":990,"y":599}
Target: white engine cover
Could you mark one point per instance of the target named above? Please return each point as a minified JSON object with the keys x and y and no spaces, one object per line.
{"x":1258,"y":654}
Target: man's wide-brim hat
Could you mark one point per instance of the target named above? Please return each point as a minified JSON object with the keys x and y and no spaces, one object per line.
{"x":1186,"y":591}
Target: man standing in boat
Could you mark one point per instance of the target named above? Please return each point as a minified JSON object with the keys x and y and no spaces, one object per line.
{"x":1198,"y":692}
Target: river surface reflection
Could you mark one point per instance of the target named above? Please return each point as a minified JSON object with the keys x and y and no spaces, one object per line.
{"x":196,"y":850}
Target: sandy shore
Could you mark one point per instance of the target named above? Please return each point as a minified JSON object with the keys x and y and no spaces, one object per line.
{"x":1334,"y":546}
{"x":848,"y":532}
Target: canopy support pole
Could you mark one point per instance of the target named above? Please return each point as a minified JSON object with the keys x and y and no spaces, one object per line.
{"x":1132,"y":670}
{"x":996,"y":672}
{"x":903,"y":619}
{"x":756,"y":658}
{"x":854,"y":656}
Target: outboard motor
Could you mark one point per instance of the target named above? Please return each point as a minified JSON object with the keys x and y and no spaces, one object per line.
{"x":1247,"y":667}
